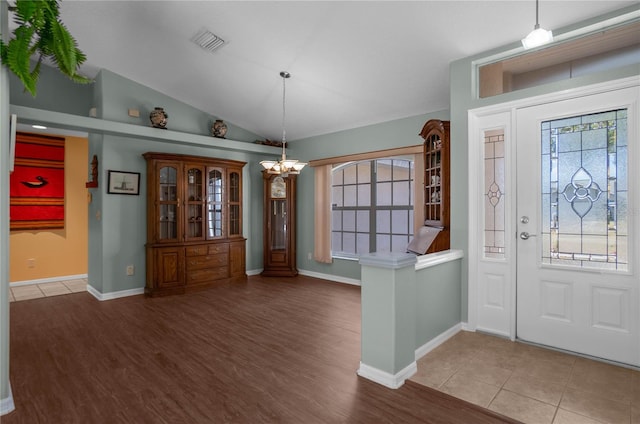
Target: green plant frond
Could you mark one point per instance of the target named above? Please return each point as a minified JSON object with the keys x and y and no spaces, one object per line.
{"x":64,"y":49}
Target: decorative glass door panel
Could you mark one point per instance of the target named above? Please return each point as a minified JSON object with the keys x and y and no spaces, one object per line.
{"x":195,"y":203}
{"x":215,"y":203}
{"x":577,"y":286}
{"x":584,"y":191}
{"x":494,"y":194}
{"x":168,"y":203}
{"x":278,"y":224}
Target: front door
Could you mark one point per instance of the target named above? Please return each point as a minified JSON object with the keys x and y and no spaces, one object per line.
{"x":577,"y":226}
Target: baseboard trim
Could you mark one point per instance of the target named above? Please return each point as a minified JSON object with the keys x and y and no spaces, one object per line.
{"x":330,"y":277}
{"x":254,"y":272}
{"x":114,"y":295}
{"x":392,"y":381}
{"x":47,"y":280}
{"x":437,"y":341}
{"x":6,"y":404}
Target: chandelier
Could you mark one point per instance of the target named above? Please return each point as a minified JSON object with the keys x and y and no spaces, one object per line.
{"x":284,"y":165}
{"x":537,"y":37}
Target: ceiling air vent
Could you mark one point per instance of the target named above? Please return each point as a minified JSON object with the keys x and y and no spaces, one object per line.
{"x":207,"y":40}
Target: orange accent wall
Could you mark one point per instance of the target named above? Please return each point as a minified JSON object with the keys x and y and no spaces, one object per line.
{"x":58,"y":253}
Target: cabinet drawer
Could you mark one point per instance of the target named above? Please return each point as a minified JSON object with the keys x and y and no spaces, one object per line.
{"x":207,"y":261}
{"x":202,"y":275}
{"x":197,"y":250}
{"x":218,"y":248}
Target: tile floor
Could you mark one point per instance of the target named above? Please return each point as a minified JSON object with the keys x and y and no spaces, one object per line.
{"x":34,"y":291}
{"x":531,"y":384}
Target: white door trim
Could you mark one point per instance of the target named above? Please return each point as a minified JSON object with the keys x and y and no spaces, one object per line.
{"x":475,"y":118}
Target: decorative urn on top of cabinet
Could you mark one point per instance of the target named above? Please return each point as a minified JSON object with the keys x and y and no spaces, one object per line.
{"x":158,"y":118}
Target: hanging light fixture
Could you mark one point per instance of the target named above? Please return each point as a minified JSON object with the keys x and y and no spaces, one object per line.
{"x":284,"y":165}
{"x":537,"y":37}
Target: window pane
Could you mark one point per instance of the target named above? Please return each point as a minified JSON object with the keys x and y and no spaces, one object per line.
{"x":383,"y":170}
{"x":364,"y":172}
{"x":336,"y":196}
{"x":350,"y":174}
{"x":350,"y":195}
{"x":349,"y":220}
{"x":362,"y":224}
{"x":400,"y":222}
{"x":399,"y":243}
{"x":383,"y":194}
{"x":362,"y":243}
{"x":349,"y":242}
{"x":401,"y":193}
{"x":383,"y":243}
{"x":383,"y":222}
{"x":364,"y":195}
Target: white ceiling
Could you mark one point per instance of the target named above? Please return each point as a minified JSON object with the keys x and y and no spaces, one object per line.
{"x":353,"y":63}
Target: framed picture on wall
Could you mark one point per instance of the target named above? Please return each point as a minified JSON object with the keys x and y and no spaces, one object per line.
{"x":121,"y":182}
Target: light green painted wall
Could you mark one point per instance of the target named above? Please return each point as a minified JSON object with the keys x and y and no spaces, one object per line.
{"x":387,"y":135}
{"x":437,"y":298}
{"x":463,"y":99}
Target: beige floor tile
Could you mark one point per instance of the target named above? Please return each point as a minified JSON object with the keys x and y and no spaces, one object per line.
{"x":568,"y":417}
{"x":478,"y":370}
{"x":595,"y":406}
{"x":544,"y":370}
{"x":523,"y":408}
{"x":76,"y":285}
{"x":473,"y":391}
{"x":54,"y":289}
{"x":432,"y":377}
{"x":544,"y":391}
{"x":614,"y":384}
{"x":537,"y":353}
{"x":27,"y":292}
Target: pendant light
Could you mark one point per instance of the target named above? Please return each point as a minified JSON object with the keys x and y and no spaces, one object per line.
{"x":284,"y":165}
{"x":537,"y":37}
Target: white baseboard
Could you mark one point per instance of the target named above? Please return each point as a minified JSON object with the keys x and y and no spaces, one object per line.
{"x":392,"y":381}
{"x":6,"y":404}
{"x":330,"y":277}
{"x":437,"y":341}
{"x":254,"y":272}
{"x":47,"y":280}
{"x":114,"y":295}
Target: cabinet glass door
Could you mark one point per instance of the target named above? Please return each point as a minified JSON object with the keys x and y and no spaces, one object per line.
{"x":195,"y":203}
{"x":215,"y":192}
{"x":278,"y":224}
{"x":433,"y":180}
{"x":235,"y":227}
{"x":168,"y":203}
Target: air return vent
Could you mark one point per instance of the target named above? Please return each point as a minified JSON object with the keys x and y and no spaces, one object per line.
{"x":208,"y":40}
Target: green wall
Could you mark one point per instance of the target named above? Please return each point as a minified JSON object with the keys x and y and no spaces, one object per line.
{"x":387,"y":135}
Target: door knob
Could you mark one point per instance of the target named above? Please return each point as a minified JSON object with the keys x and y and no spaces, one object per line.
{"x":525,"y":236}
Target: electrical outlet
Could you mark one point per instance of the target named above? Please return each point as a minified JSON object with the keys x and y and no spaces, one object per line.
{"x":31,"y":263}
{"x":130,"y":270}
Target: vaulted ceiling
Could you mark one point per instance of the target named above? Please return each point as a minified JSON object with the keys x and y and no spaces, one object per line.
{"x":353,"y":63}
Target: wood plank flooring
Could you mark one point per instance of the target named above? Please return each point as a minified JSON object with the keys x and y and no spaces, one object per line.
{"x":265,"y":351}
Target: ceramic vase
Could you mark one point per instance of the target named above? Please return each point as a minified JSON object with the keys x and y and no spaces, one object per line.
{"x":158,"y":118}
{"x":219,"y":128}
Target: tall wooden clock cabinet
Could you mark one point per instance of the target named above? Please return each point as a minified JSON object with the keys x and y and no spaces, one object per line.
{"x":279,"y":225}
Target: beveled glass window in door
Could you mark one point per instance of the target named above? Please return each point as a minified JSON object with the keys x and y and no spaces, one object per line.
{"x":168,"y":204}
{"x":214,"y":204}
{"x":195,"y":204}
{"x":494,"y":197}
{"x":234,"y":204}
{"x":585,"y":191}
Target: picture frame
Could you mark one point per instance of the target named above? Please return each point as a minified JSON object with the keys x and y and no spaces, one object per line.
{"x":123,"y":182}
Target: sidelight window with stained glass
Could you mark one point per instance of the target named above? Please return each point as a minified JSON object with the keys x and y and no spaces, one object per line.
{"x":494,"y":198}
{"x":584,"y":191}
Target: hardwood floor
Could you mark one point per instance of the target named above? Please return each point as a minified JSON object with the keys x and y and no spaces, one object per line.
{"x":265,"y":351}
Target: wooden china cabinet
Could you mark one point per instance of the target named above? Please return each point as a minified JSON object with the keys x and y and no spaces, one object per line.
{"x":279,"y":225}
{"x":194,"y":223}
{"x":437,"y":181}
